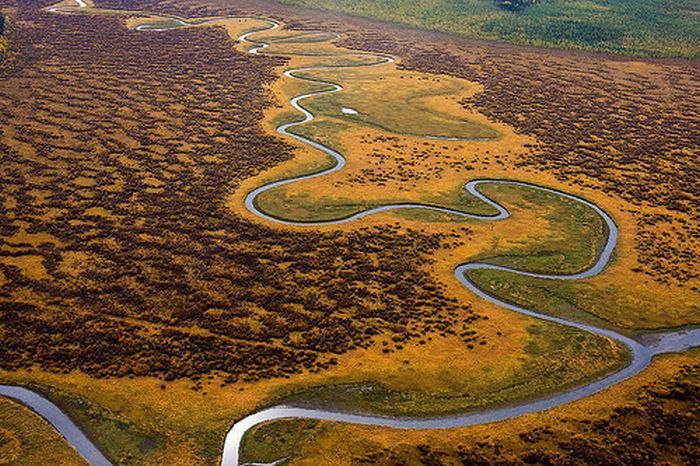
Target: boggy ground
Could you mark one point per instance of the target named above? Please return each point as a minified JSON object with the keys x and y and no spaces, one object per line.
{"x":126,"y":340}
{"x":120,"y":258}
{"x":387,"y":167}
{"x":651,"y":419}
{"x":107,"y":291}
{"x":578,"y":108}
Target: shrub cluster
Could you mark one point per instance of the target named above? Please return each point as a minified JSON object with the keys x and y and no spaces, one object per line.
{"x":120,"y":150}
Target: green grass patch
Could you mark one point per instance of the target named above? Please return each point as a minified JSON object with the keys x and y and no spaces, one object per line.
{"x":586,"y":301}
{"x":275,"y":440}
{"x":556,"y":358}
{"x":164,"y":24}
{"x":301,"y":38}
{"x":278,"y":203}
{"x":574,"y":244}
{"x":119,"y":439}
{"x":402,"y":111}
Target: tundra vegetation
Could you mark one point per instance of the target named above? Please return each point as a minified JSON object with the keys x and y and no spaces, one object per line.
{"x":129,"y":266}
{"x":650,"y":419}
{"x":638,"y":27}
{"x":26,"y":439}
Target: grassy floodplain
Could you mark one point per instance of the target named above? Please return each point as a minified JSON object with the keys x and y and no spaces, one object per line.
{"x":568,"y":242}
{"x":579,"y":232}
{"x":484,"y":356}
{"x":594,"y":429}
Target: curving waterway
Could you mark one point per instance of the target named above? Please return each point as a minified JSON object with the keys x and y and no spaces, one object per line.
{"x":642,"y":350}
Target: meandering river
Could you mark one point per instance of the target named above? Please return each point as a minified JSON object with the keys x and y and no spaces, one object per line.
{"x":642,"y":349}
